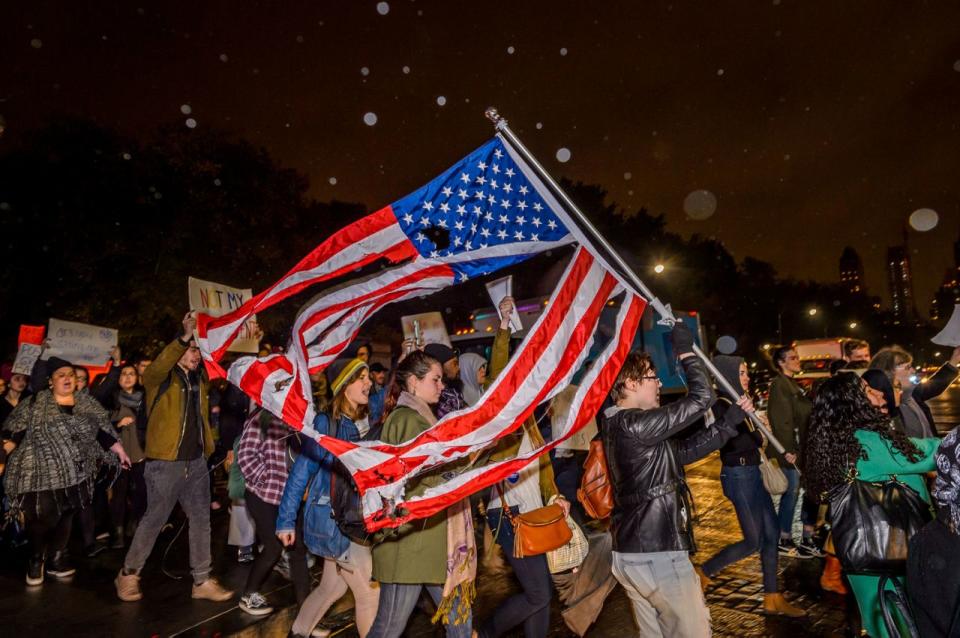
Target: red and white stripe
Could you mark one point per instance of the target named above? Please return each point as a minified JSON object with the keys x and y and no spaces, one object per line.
{"x":590,"y":395}
{"x":376,"y":236}
{"x":552,"y":352}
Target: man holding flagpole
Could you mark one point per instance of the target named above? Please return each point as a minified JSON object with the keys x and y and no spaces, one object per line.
{"x":651,"y":522}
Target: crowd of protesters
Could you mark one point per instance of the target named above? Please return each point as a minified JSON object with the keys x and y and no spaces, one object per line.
{"x":120,"y":452}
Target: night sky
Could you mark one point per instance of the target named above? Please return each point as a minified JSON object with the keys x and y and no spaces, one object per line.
{"x":815,"y":124}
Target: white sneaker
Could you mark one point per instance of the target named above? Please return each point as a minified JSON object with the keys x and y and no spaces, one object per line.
{"x":255,"y":604}
{"x":320,"y":632}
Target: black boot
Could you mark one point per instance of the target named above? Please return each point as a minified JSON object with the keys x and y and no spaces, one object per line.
{"x":59,"y":565}
{"x":118,"y":541}
{"x":35,"y":571}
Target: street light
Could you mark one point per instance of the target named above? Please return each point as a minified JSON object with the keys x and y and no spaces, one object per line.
{"x":766,"y":346}
{"x":812,"y":312}
{"x":853,"y":325}
{"x":659,"y":268}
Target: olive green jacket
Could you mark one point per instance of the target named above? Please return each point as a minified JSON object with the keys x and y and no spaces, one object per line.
{"x":418,"y":551}
{"x":167,"y":415}
{"x":788,"y":410}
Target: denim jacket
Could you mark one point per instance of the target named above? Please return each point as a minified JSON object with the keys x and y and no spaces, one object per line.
{"x":321,"y":534}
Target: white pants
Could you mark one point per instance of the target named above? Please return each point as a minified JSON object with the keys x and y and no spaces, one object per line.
{"x":352,"y":570}
{"x":665,"y":594}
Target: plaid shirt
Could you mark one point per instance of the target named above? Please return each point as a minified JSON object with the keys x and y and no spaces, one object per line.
{"x":450,"y":400}
{"x":263,"y":462}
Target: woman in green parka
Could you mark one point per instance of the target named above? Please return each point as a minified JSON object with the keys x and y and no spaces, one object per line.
{"x":439,"y":552}
{"x":847,"y":430}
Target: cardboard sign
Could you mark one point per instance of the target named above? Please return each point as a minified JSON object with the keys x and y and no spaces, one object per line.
{"x":432,"y":328}
{"x":217,"y":300}
{"x":80,"y":343}
{"x":27,"y":355}
{"x":500,"y":288}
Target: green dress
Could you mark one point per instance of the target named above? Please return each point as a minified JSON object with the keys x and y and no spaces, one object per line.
{"x":883,"y":460}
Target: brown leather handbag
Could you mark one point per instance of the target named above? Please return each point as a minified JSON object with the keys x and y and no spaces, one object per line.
{"x":596,"y":493}
{"x":538,"y":532}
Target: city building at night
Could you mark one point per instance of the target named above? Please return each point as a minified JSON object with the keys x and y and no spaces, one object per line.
{"x":948,"y":294}
{"x":851,"y":271}
{"x":900,"y":281}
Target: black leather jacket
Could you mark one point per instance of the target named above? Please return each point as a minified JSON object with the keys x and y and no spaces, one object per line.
{"x":652,"y":503}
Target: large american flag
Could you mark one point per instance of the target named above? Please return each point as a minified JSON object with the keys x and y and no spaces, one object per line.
{"x":487,"y":211}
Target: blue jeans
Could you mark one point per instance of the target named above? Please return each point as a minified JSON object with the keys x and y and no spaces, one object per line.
{"x":397,"y":601}
{"x":744,"y":488}
{"x":529,"y":608}
{"x":788,"y":504}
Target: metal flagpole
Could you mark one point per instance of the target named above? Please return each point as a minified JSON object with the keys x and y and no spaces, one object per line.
{"x":501,"y":125}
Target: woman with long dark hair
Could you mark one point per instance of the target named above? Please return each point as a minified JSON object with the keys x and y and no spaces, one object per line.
{"x":743,"y":486}
{"x":848,"y":432}
{"x":437,"y":553}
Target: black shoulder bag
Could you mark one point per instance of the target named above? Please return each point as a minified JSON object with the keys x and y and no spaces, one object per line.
{"x":872,"y":523}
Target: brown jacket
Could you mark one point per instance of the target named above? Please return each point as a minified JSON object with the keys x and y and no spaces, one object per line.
{"x":166,"y":419}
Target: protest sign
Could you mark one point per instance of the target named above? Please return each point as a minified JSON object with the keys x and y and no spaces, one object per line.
{"x":432,"y":328}
{"x":80,"y":343}
{"x":31,"y":334}
{"x":217,"y":300}
{"x":500,"y":288}
{"x":27,"y":355}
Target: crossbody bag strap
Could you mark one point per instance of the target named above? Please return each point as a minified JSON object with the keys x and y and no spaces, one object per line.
{"x":504,"y":507}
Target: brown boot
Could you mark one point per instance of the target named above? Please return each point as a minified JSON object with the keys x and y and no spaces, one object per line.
{"x":777,"y":605}
{"x":210,"y":589}
{"x":128,"y":587}
{"x":705,"y":581}
{"x":832,"y":577}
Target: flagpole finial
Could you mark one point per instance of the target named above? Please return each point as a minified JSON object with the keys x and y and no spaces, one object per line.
{"x":494,"y":116}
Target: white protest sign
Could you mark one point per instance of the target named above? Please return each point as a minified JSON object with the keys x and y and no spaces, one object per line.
{"x":217,"y":300}
{"x":80,"y":343}
{"x":27,"y":355}
{"x":950,"y":335}
{"x":432,"y":328}
{"x":500,"y":288}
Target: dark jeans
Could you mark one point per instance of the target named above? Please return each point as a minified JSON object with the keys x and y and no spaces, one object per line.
{"x":46,"y":523}
{"x":567,"y":472}
{"x":788,"y":504}
{"x":129,"y":498}
{"x":265,"y":518}
{"x":531,"y":607}
{"x":744,"y":488}
{"x":169,"y":482}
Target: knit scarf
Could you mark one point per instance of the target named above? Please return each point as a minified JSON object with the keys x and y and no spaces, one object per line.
{"x":459,"y":589}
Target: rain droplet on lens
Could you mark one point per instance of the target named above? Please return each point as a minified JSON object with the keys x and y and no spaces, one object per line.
{"x":383,"y":8}
{"x":539,"y":125}
{"x":36,"y":43}
{"x":441,"y":100}
{"x":563,"y":155}
{"x":370,"y":118}
{"x":924,"y":219}
{"x":191,"y":123}
{"x":185,"y":109}
{"x":333,"y":181}
{"x":223,"y":57}
{"x":563,"y":51}
{"x":627,"y":176}
{"x":700,"y":204}
{"x":364,"y":71}
{"x":510,"y":50}
{"x":126,"y":156}
{"x":406,"y":70}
